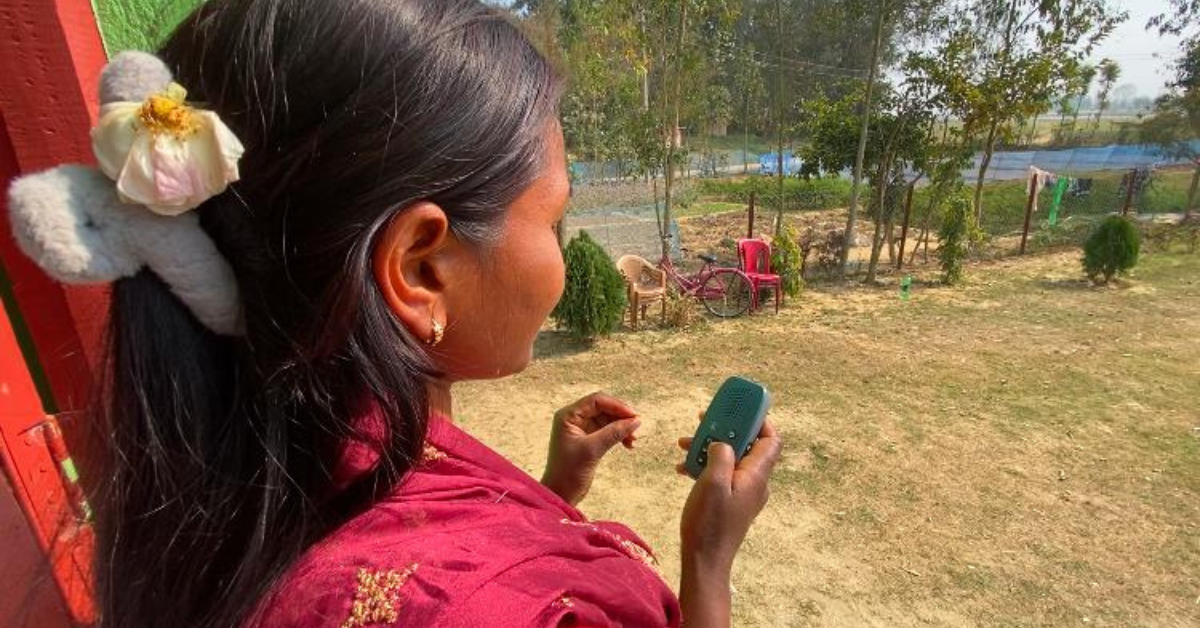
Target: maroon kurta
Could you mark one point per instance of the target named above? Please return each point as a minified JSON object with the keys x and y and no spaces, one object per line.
{"x":468,"y":539}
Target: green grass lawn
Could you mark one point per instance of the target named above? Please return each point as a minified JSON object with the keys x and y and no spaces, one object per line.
{"x":1023,"y":450}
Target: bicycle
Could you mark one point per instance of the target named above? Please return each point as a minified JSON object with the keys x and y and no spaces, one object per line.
{"x":725,"y":291}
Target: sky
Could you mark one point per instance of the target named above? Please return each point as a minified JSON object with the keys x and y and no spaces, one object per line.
{"x":1145,"y":57}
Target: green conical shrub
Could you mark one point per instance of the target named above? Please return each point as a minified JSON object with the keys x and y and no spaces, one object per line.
{"x":1111,"y":249}
{"x":593,"y":302}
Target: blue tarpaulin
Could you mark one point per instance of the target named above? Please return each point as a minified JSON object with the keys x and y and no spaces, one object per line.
{"x":768,"y":162}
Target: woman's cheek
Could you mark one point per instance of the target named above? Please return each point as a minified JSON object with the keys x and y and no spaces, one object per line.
{"x":555,"y":272}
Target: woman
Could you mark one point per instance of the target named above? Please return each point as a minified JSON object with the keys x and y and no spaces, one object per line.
{"x":392,"y":232}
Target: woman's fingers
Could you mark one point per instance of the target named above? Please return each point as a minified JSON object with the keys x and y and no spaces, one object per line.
{"x":600,"y":403}
{"x":764,"y":454}
{"x":685,"y":443}
{"x":618,"y":431}
{"x":719,"y":469}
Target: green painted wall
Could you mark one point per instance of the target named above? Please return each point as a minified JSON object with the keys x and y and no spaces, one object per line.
{"x":139,"y":24}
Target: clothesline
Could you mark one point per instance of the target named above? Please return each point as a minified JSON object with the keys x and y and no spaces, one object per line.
{"x":1039,"y":179}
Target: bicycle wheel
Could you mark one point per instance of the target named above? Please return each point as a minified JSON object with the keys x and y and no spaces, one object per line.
{"x":726,"y":293}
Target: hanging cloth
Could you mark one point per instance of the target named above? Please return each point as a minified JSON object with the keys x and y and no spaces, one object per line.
{"x":1059,"y":189}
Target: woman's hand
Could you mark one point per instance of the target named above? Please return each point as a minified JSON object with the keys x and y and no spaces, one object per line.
{"x":583,"y":432}
{"x":718,"y":514}
{"x":725,"y":500}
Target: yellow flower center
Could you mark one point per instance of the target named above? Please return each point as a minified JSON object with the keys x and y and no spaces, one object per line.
{"x":167,"y":112}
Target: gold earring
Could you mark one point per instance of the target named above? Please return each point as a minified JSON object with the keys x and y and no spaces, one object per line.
{"x":438,"y":330}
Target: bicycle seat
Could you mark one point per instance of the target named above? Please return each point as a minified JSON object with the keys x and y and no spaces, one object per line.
{"x":708,"y":258}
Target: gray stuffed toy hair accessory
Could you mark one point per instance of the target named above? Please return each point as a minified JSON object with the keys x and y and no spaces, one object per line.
{"x":79,"y":228}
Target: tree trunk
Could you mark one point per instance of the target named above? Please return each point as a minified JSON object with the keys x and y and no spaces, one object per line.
{"x":1191,"y":197}
{"x":862,"y":141}
{"x":876,"y":248}
{"x":779,"y":115}
{"x":1100,"y":112}
{"x":669,"y":175}
{"x":646,"y":59}
{"x":988,"y":149}
{"x":990,"y":145}
{"x":646,"y":90}
{"x":658,"y":212}
{"x":889,"y":236}
{"x":1075,"y":118}
{"x":880,"y":199}
{"x":745,"y":134}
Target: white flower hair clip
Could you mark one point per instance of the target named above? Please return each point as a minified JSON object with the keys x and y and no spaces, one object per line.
{"x":166,"y":158}
{"x":165,"y":154}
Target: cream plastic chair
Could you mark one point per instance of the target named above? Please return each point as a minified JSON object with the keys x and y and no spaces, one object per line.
{"x":645,"y":285}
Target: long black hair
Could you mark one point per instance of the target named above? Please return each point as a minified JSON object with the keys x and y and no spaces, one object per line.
{"x":220,"y":449}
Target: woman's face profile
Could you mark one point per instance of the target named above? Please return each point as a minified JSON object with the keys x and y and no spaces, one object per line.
{"x":500,"y":301}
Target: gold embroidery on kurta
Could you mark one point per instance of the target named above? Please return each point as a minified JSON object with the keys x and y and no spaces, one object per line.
{"x":431,"y":454}
{"x":377,"y":597}
{"x":631,"y":549}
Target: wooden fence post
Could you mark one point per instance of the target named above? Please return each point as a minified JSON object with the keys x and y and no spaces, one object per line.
{"x":1033,"y":190}
{"x":750,"y":227}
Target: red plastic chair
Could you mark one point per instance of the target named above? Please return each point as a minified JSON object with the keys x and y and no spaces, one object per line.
{"x":755,"y":257}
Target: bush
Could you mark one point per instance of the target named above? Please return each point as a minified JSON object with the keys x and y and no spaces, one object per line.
{"x":826,"y":246}
{"x":956,"y":234}
{"x":787,"y":261}
{"x":1111,"y":249}
{"x":1070,"y":231}
{"x":798,"y":194}
{"x":681,"y":311}
{"x":593,"y":302}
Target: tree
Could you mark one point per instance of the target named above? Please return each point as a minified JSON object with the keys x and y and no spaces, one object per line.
{"x":1003,"y":61}
{"x":1110,"y":71}
{"x":898,"y":133}
{"x":1081,"y":84}
{"x":683,"y":23}
{"x":1175,"y":121}
{"x":1184,"y":15}
{"x":629,"y":61}
{"x":745,"y":76}
{"x":852,"y":217}
{"x":914,"y":18}
{"x":1124,"y":97}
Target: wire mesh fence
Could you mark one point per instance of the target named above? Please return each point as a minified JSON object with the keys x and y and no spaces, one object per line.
{"x":620,"y":230}
{"x":711,"y":212}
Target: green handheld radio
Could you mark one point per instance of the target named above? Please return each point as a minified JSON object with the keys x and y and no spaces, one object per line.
{"x":735,"y":416}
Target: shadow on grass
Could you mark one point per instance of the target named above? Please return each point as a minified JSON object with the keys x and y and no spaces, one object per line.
{"x":552,"y":343}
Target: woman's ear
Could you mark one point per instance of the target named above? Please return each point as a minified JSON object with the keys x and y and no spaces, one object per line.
{"x":411,"y":269}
